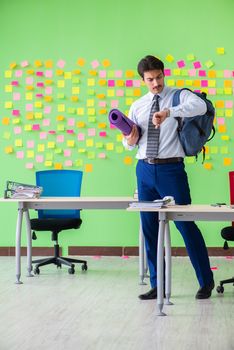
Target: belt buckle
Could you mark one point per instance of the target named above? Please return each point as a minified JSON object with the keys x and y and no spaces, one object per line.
{"x":151,"y":160}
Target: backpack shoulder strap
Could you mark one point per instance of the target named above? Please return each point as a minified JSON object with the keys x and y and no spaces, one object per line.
{"x":176,"y":97}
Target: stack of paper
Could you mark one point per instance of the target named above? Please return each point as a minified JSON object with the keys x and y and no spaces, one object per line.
{"x":158,"y":203}
{"x":19,"y":190}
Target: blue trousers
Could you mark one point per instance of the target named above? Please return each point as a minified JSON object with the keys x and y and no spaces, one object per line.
{"x":156,"y":181}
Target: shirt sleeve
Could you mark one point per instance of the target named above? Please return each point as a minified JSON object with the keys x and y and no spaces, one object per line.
{"x":190,"y":106}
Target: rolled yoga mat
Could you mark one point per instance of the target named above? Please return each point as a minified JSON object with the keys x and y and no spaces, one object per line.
{"x":123,"y":123}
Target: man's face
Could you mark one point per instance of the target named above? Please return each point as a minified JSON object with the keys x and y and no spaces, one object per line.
{"x":154,"y":80}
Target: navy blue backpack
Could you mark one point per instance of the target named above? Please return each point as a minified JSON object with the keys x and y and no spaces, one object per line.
{"x":194,"y":132}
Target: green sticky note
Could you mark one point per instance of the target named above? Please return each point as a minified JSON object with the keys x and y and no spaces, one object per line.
{"x":190,"y":57}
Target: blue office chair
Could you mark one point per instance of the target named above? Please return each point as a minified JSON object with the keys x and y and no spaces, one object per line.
{"x":58,"y":183}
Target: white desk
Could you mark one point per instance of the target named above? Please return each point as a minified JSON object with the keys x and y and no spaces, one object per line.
{"x":179,"y":213}
{"x":24,"y":205}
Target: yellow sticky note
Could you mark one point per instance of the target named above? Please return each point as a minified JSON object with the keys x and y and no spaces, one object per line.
{"x":8,"y":74}
{"x":13,"y":65}
{"x":220,"y":50}
{"x":8,"y":104}
{"x":128,"y":160}
{"x":61,"y":107}
{"x":67,"y":75}
{"x":119,"y":149}
{"x":80,"y":111}
{"x":40,"y":147}
{"x":102,"y":111}
{"x":79,"y":162}
{"x":212,"y":83}
{"x":16,"y":121}
{"x":59,"y":72}
{"x":48,"y":163}
{"x":227,"y":161}
{"x":88,"y":168}
{"x":74,"y":98}
{"x":228,"y":91}
{"x":110,"y":92}
{"x":70,"y":143}
{"x":190,"y":57}
{"x":30,"y":154}
{"x":90,"y":103}
{"x":89,"y":142}
{"x":8,"y":88}
{"x":6,"y":135}
{"x":109,"y":146}
{"x":91,"y":111}
{"x":209,"y":64}
{"x":48,"y":82}
{"x":28,"y":96}
{"x":90,"y":82}
{"x":207,"y":166}
{"x":51,"y":144}
{"x":29,"y":87}
{"x":119,"y":137}
{"x":38,"y":115}
{"x":128,"y":101}
{"x":171,"y":82}
{"x":30,"y":71}
{"x":169,"y":58}
{"x":224,"y":150}
{"x":228,"y":113}
{"x":81,"y":150}
{"x":38,"y":104}
{"x":60,"y":127}
{"x":99,"y":144}
{"x":92,"y":72}
{"x":37,"y":63}
{"x":214,"y":149}
{"x":60,"y":83}
{"x":75,"y":90}
{"x":18,"y":142}
{"x":225,"y":138}
{"x":91,"y":155}
{"x":120,"y":82}
{"x":8,"y":149}
{"x":102,"y":82}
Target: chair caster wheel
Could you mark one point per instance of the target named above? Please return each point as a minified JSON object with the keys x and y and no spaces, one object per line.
{"x":84,"y":267}
{"x":220,"y":289}
{"x":36,"y":271}
{"x":71,"y":270}
{"x":59,"y":266}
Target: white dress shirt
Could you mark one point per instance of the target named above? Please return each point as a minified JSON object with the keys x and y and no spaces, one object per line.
{"x":169,"y":144}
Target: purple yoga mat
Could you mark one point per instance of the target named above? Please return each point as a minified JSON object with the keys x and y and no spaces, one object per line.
{"x":123,"y":123}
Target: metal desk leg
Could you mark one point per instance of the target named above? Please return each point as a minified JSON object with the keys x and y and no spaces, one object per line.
{"x":160,"y":267}
{"x":29,"y":244}
{"x":141,"y":256}
{"x":18,"y":245}
{"x":168,"y":263}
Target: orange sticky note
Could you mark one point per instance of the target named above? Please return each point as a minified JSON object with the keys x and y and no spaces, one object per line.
{"x":102,"y":82}
{"x":48,"y":98}
{"x":227,"y":161}
{"x":222,"y":128}
{"x":74,"y":98}
{"x":37,"y":63}
{"x":137,"y":92}
{"x":13,"y":65}
{"x":129,"y":73}
{"x":30,"y":71}
{"x":219,"y":104}
{"x":93,"y":72}
{"x":9,"y":149}
{"x":106,"y":63}
{"x":49,"y":64}
{"x":60,"y":117}
{"x":80,"y":124}
{"x":128,"y":160}
{"x":207,"y":166}
{"x":29,"y":87}
{"x":29,"y":115}
{"x":102,"y":111}
{"x":211,"y":73}
{"x":48,"y":82}
{"x":59,"y":72}
{"x":227,"y":83}
{"x":101,"y":96}
{"x":5,"y":121}
{"x":80,"y":62}
{"x":88,"y":168}
{"x":58,"y":166}
{"x":76,"y":71}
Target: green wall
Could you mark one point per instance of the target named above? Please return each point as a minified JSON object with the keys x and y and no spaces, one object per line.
{"x":122,"y":32}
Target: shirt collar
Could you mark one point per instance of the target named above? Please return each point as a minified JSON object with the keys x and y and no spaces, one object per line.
{"x":161,"y":95}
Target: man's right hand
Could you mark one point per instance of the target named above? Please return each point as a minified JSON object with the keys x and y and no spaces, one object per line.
{"x":133,"y":137}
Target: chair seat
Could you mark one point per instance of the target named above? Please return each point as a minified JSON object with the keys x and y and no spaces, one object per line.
{"x":228,"y":233}
{"x":57,"y":224}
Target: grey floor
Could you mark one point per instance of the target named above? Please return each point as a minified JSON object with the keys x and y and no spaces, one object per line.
{"x":99,"y":309}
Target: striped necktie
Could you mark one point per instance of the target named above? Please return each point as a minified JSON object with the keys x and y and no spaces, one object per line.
{"x":153,"y":134}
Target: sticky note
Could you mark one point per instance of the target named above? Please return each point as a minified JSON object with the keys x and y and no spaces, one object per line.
{"x":181,"y":64}
{"x":197,"y":64}
{"x":48,"y":163}
{"x":8,"y":149}
{"x":81,"y":62}
{"x":88,"y":168}
{"x":225,"y":138}
{"x":8,"y":104}
{"x":8,"y":74}
{"x":91,"y":132}
{"x":67,"y":153}
{"x":29,"y":165}
{"x":109,"y":146}
{"x":220,"y":50}
{"x":207,"y":166}
{"x":15,"y":112}
{"x":169,"y":58}
{"x":89,"y":142}
{"x":43,"y":135}
{"x":58,"y":166}
{"x":106,"y":63}
{"x":75,"y":90}
{"x":190,"y":57}
{"x":70,"y":143}
{"x":24,"y":64}
{"x":128,"y":160}
{"x":102,"y":155}
{"x":227,"y":161}
{"x":18,"y":73}
{"x":18,"y":142}
{"x":38,"y":63}
{"x":16,"y":96}
{"x":20,"y":154}
{"x":49,"y":64}
{"x":30,"y":154}
{"x":80,"y":137}
{"x":209,"y":64}
{"x":5,"y":121}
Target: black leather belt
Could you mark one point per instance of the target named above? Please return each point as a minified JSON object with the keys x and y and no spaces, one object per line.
{"x":163,"y":160}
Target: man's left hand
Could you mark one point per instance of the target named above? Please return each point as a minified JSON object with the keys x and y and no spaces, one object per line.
{"x":159,"y":117}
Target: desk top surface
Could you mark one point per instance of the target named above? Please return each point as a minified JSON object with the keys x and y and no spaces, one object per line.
{"x":193,"y":208}
{"x":70,"y":199}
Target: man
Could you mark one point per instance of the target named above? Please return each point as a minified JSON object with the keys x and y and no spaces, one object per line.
{"x":160,"y":169}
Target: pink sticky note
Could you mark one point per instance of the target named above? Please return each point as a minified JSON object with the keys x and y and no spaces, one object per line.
{"x":48,"y":90}
{"x":29,"y":165}
{"x":220,"y":121}
{"x":20,"y":154}
{"x":212,"y":91}
{"x":181,"y":64}
{"x":102,"y":133}
{"x":102,"y":103}
{"x":111,"y":83}
{"x":204,"y":83}
{"x":15,"y":112}
{"x":192,"y":72}
{"x":40,"y":84}
{"x":167,"y":72}
{"x":16,"y":96}
{"x":67,"y":153}
{"x":136,"y":83}
{"x":29,"y":107}
{"x":125,"y":257}
{"x":102,"y":155}
{"x":39,"y":95}
{"x":119,"y":93}
{"x":52,"y":132}
{"x":24,"y":64}
{"x":68,"y":162}
{"x":91,"y":132}
{"x":43,"y":135}
{"x":46,"y":122}
{"x":114,"y":104}
{"x":39,"y":74}
{"x":39,"y":158}
{"x":95,"y":64}
{"x":202,"y":73}
{"x":227,"y":73}
{"x":70,"y":131}
{"x":129,"y":83}
{"x":60,"y":138}
{"x":80,"y":137}
{"x":71,"y":122}
{"x":29,"y":80}
{"x":118,"y":73}
{"x":17,"y":130}
{"x":229,"y":104}
{"x":102,"y":74}
{"x":48,"y":73}
{"x":18,"y":73}
{"x":15,"y":83}
{"x":197,"y":64}
{"x":214,"y":268}
{"x":112,"y":126}
{"x":47,"y":109}
{"x":61,"y":63}
{"x":30,"y":144}
{"x":36,"y":127}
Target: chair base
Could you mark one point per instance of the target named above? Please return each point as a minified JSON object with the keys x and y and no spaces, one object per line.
{"x":220,"y":288}
{"x":59,"y":261}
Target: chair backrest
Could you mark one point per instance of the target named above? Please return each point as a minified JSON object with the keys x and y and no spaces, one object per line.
{"x":59,"y":183}
{"x":231,"y":185}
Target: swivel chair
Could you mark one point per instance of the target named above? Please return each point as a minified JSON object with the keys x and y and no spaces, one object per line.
{"x":227,"y":233}
{"x":58,"y":183}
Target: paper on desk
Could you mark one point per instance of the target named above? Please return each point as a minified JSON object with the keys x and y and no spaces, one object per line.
{"x":158,"y":203}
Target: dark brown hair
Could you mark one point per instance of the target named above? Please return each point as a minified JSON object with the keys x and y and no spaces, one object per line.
{"x":149,"y":63}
